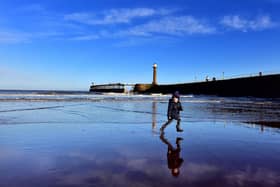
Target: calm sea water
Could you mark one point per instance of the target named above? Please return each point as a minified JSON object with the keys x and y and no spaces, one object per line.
{"x":50,"y":138}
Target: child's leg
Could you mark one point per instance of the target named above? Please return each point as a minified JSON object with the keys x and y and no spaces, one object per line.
{"x":165,"y":125}
{"x":178,"y":143}
{"x":178,"y":125}
{"x":164,"y":140}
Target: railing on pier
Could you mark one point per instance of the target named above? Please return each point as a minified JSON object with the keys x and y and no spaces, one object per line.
{"x":225,"y":77}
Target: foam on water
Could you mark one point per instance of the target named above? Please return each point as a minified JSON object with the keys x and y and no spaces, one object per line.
{"x":72,"y":96}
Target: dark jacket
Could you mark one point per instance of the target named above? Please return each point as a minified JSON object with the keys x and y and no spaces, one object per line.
{"x":174,"y":109}
{"x":173,"y":158}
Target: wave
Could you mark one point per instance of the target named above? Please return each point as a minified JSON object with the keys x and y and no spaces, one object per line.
{"x":74,"y":96}
{"x":83,"y":96}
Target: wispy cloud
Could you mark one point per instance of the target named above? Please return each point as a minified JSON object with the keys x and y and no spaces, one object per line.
{"x":236,"y":22}
{"x":170,"y":26}
{"x":114,"y":16}
{"x":179,"y":26}
{"x":123,"y":23}
{"x":86,"y":37}
{"x":13,"y":37}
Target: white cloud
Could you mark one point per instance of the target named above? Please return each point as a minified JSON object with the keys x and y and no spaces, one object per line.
{"x":145,"y":22}
{"x":171,"y":26}
{"x":114,"y":16}
{"x":184,"y":25}
{"x":86,"y":37}
{"x":13,"y":37}
{"x":238,"y":23}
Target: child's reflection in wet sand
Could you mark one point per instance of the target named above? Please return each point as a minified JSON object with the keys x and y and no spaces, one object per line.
{"x":174,"y":160}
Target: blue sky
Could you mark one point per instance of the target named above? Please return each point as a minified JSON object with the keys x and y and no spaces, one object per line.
{"x":67,"y":44}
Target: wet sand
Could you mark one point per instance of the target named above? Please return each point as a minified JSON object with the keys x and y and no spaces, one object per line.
{"x":117,"y":143}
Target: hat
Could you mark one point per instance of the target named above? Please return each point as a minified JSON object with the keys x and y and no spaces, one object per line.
{"x":175,"y":172}
{"x":176,"y":94}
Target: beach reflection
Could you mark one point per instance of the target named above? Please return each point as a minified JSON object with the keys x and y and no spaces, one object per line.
{"x":154,"y":115}
{"x":174,"y":160}
{"x":110,"y":144}
{"x":96,"y":155}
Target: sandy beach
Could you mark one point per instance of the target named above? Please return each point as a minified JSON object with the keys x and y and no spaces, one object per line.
{"x":95,"y":140}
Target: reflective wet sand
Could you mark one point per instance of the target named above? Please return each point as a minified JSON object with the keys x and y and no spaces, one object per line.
{"x":118,"y":144}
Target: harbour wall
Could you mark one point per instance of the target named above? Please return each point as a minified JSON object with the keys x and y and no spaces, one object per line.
{"x":267,"y":86}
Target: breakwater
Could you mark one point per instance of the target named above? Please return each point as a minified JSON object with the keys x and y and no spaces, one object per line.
{"x":266,"y":86}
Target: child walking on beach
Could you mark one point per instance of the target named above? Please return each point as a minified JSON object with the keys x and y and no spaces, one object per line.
{"x":173,"y":112}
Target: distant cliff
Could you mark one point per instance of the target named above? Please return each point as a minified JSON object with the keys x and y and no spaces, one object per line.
{"x":267,"y":86}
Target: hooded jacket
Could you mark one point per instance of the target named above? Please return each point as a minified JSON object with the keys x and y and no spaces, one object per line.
{"x":174,"y":109}
{"x":173,"y":158}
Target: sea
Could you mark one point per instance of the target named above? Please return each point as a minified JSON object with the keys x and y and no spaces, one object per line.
{"x":79,"y":138}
